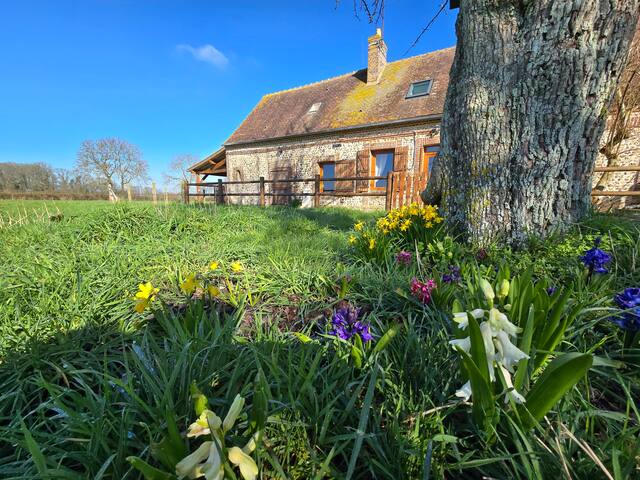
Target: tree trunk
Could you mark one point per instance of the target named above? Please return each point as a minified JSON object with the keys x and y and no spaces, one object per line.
{"x":527,"y":102}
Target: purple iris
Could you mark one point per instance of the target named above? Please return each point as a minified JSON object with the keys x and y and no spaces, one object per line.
{"x":628,"y":300}
{"x":345,"y":324}
{"x":595,"y":259}
{"x":551,"y":290}
{"x":453,"y":276}
{"x":403,"y":257}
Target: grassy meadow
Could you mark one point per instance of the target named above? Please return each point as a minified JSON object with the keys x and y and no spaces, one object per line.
{"x":86,"y":382}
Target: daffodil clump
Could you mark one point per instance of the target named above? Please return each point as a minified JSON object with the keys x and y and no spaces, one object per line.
{"x":409,"y":220}
{"x":368,"y":242}
{"x":211,"y":458}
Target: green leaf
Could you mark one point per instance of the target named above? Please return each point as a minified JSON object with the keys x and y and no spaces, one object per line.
{"x":484,"y":406}
{"x":149,"y":472}
{"x":556,"y":380}
{"x":34,"y":450}
{"x":386,"y":338}
{"x":302,"y":337}
{"x":478,"y":352}
{"x":525,"y":346}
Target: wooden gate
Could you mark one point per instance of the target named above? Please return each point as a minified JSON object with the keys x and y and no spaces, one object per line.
{"x":406,"y":187}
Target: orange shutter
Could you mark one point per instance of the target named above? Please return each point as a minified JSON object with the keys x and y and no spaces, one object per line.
{"x":345,"y":168}
{"x":400,"y":157}
{"x":362,"y":170}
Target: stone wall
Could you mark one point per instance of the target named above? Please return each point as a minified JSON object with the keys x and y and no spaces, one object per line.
{"x":628,"y":155}
{"x":303,"y":157}
{"x":300,"y":158}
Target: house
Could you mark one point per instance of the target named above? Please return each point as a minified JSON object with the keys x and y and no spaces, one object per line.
{"x":385,"y":118}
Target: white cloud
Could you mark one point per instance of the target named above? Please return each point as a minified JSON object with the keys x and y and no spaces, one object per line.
{"x":206,"y":53}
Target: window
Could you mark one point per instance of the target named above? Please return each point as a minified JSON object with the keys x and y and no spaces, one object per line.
{"x":328,"y":170}
{"x":315,"y":107}
{"x":381,"y":165}
{"x":419,"y":89}
{"x":429,"y":158}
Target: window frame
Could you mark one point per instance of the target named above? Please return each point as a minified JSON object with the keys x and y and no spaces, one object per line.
{"x":321,"y":166}
{"x":428,"y":157}
{"x":372,"y":167}
{"x":410,"y":93}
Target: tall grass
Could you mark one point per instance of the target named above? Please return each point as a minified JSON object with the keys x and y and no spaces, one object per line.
{"x":84,"y":383}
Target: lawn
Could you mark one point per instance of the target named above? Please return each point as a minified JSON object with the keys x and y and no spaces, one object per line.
{"x":86,"y":382}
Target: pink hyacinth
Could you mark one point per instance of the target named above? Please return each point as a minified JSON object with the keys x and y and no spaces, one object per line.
{"x":403,"y":257}
{"x":422,"y":290}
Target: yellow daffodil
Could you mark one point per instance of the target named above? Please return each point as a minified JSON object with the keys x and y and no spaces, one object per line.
{"x":190,"y":284}
{"x":203,"y":426}
{"x":358,"y":226}
{"x":145,"y":295}
{"x":352,"y":240}
{"x":372,"y":244}
{"x":236,"y":267}
{"x":214,"y":265}
{"x":213,"y":291}
{"x":146,"y":291}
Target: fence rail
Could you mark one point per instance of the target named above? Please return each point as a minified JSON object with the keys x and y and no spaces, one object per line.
{"x":402,"y":188}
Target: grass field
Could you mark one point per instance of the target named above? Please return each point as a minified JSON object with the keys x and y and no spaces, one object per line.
{"x":85,"y":382}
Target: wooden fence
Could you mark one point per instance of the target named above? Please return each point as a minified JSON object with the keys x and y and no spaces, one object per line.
{"x":402,"y":188}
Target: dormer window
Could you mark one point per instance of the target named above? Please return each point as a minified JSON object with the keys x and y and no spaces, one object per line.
{"x":419,"y":89}
{"x":315,"y":107}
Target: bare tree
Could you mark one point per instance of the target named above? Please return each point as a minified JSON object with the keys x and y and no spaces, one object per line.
{"x":113,"y":160}
{"x":530,"y":90}
{"x":178,"y":170}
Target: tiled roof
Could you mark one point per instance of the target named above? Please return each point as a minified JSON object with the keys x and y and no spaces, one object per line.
{"x":347,"y":100}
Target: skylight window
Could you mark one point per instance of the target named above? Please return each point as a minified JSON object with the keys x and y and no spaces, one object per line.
{"x":419,"y":89}
{"x":315,"y":107}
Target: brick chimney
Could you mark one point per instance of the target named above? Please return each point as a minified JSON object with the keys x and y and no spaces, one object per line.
{"x":377,"y":57}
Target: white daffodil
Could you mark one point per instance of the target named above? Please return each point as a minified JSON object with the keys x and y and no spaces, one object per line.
{"x":509,"y":354}
{"x":462,"y":318}
{"x":464,"y":392}
{"x":500,"y":322}
{"x":512,"y":393}
{"x":248,"y":468}
{"x":234,"y":410}
{"x":190,"y":465}
{"x":203,"y":426}
{"x":487,"y":289}
{"x":489,"y":347}
{"x":212,"y":468}
{"x":463,"y":343}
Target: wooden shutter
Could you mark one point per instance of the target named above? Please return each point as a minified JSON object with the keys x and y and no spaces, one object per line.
{"x":362,"y":170}
{"x":345,"y":168}
{"x":400,"y":158}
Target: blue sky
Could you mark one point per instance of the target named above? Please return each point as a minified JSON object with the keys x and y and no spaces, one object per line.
{"x":174,"y":76}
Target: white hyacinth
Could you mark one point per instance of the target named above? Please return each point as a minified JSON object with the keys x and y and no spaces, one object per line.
{"x":500,"y":351}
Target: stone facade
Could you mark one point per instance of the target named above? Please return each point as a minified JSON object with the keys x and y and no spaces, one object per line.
{"x":628,"y":155}
{"x":302,"y":157}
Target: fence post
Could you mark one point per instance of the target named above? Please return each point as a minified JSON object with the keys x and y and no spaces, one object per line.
{"x":389,"y":192}
{"x":220,"y":193}
{"x":154,"y":193}
{"x":129,"y":192}
{"x":316,"y":191}
{"x":262,"y":202}
{"x":185,"y":191}
{"x":166,"y":196}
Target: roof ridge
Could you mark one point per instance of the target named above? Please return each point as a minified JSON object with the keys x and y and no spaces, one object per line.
{"x":277,"y":92}
{"x":349,"y":73}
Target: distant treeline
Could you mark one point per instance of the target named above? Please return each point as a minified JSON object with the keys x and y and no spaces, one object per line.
{"x":40,"y":180}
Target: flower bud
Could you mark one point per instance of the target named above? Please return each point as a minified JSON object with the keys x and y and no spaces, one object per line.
{"x":503,"y":289}
{"x":487,"y":289}
{"x":233,"y":413}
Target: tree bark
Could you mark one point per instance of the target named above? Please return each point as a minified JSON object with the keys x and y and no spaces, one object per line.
{"x":529,"y":91}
